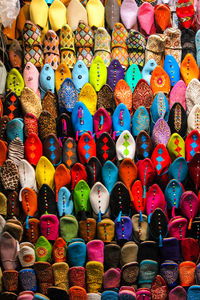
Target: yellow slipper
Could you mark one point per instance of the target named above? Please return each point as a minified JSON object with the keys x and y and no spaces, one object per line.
{"x":39,"y":12}
{"x":89,"y":97}
{"x":44,"y":173}
{"x":96,"y":13}
{"x":57,"y":15}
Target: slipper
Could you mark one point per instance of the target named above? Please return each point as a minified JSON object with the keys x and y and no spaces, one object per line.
{"x":80,"y":75}
{"x":128,"y":13}
{"x":32,"y":44}
{"x":31,"y":77}
{"x":76,"y":12}
{"x":51,"y":49}
{"x":115,"y":72}
{"x":30,"y":124}
{"x":57,"y":15}
{"x":39,"y":12}
{"x":67,"y":49}
{"x":12,"y":106}
{"x":162,"y":17}
{"x":96,"y":12}
{"x":67,"y":96}
{"x":33,"y":149}
{"x":155,"y":48}
{"x":173,"y":43}
{"x":46,"y":124}
{"x":46,"y":80}
{"x":15,"y":55}
{"x":142,"y":95}
{"x":119,"y":47}
{"x":102,"y":41}
{"x":146,"y":19}
{"x":98,"y":73}
{"x":88,"y":96}
{"x":30,"y":102}
{"x":84,"y":42}
{"x":61,"y":73}
{"x":49,"y":103}
{"x":136,"y":44}
{"x":112,"y":13}
{"x":160,"y":81}
{"x":105,"y":99}
{"x":189,"y":69}
{"x":14,"y":82}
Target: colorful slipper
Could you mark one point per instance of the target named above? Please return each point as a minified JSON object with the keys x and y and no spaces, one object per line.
{"x":51,"y":49}
{"x":119,"y":47}
{"x":67,"y":49}
{"x":84,"y":41}
{"x":32,"y":44}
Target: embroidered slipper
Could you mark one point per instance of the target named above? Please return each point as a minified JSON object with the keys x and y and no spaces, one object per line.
{"x":67,"y":49}
{"x":119,"y":47}
{"x":51,"y":49}
{"x":32,"y":44}
{"x":102,"y":41}
{"x":173,"y":43}
{"x":84,"y":41}
{"x":155,"y":48}
{"x":136,"y":44}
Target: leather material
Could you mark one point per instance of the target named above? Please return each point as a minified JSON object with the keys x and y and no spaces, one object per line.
{"x":98,"y":73}
{"x":115,"y":73}
{"x":178,"y":120}
{"x":64,"y":126}
{"x":112,"y":13}
{"x":102,"y":122}
{"x":81,"y":119}
{"x":148,"y":69}
{"x":105,"y":148}
{"x":128,"y":13}
{"x":65,"y":203}
{"x":80,"y":75}
{"x":93,"y":169}
{"x":132,"y":76}
{"x":171,"y":67}
{"x":47,"y":80}
{"x":159,"y":109}
{"x":121,"y":119}
{"x":52,"y":149}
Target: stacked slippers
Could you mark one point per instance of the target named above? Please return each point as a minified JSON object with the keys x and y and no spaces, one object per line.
{"x":99,"y":150}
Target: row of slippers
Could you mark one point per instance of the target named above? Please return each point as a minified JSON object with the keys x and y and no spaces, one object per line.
{"x":95,"y":15}
{"x":134,"y":90}
{"x":54,"y":293}
{"x":132,"y":273}
{"x":128,"y":47}
{"x":127,"y":256}
{"x":126,"y":197}
{"x":82,"y":126}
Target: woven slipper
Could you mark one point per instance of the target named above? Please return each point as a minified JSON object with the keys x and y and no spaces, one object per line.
{"x":67,"y":49}
{"x":32,"y":44}
{"x":51,"y":49}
